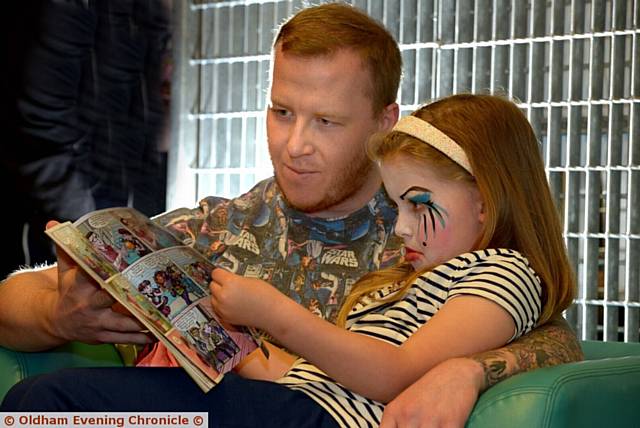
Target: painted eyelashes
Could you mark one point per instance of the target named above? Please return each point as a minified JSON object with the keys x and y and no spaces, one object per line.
{"x":434,"y":210}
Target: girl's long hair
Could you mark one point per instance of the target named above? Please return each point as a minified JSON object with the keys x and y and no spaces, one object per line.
{"x":508,"y":170}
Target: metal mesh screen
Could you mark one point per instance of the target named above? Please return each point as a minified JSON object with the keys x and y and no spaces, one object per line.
{"x":572,"y":64}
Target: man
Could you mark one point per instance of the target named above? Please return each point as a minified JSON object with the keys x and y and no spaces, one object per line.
{"x":334,"y":80}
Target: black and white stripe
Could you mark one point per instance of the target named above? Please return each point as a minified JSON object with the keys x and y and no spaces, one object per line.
{"x":502,"y":276}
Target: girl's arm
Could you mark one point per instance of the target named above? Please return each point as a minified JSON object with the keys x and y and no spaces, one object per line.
{"x":257,"y":366}
{"x":370,"y":367}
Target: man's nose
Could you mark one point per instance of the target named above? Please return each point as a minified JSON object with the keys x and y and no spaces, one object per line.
{"x":299,"y":142}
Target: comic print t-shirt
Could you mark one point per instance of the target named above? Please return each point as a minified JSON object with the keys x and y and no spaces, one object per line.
{"x":314,"y":261}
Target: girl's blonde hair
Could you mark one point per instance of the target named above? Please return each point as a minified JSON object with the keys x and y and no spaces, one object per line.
{"x":508,"y":170}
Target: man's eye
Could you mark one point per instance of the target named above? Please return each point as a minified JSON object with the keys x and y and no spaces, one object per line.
{"x":325,"y":122}
{"x":280,"y":112}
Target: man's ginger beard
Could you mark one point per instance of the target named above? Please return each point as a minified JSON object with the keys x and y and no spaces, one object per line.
{"x":341,"y":186}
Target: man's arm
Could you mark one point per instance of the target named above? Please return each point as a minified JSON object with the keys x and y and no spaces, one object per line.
{"x":445,"y":395}
{"x":25,"y":301}
{"x":44,"y":308}
{"x":549,"y":345}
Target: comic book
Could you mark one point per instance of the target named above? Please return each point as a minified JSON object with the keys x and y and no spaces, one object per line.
{"x":160,"y":280}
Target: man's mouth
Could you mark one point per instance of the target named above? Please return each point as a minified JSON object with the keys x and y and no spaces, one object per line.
{"x":299,"y":171}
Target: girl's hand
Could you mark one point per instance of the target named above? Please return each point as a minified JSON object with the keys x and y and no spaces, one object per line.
{"x":243,"y":301}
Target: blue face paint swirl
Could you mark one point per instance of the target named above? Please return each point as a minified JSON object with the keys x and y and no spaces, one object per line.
{"x":421,"y":198}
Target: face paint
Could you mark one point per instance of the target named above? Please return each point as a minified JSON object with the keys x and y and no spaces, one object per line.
{"x":434,"y":210}
{"x":422,"y":218}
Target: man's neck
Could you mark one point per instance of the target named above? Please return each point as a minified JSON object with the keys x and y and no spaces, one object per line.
{"x":354,"y":203}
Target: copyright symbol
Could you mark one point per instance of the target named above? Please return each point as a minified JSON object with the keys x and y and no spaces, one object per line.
{"x":9,"y":420}
{"x":198,"y":420}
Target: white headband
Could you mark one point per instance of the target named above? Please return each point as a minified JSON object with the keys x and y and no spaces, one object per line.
{"x":424,"y":131}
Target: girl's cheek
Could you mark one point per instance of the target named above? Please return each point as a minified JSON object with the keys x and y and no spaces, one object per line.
{"x":437,"y":244}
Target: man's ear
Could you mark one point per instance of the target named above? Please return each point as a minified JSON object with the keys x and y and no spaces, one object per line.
{"x":389,"y":117}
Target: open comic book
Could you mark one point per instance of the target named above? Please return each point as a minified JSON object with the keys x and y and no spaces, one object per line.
{"x":162,"y":282}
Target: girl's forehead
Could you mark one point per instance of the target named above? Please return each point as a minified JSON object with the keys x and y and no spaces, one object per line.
{"x":409,"y":162}
{"x":404,"y":170}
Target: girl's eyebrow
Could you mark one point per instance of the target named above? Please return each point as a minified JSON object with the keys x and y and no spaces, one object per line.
{"x":412,"y":189}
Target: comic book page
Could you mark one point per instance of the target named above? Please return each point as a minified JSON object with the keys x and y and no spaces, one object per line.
{"x":123,"y":235}
{"x":162,"y":283}
{"x":204,"y":375}
{"x":175,"y":281}
{"x":82,"y":251}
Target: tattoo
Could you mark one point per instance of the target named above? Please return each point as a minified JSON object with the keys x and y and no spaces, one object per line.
{"x":549,"y":345}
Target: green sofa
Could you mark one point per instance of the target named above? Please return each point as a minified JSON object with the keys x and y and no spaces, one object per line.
{"x":601,"y":391}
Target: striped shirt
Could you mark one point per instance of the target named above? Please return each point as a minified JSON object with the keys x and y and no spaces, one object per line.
{"x":502,"y":276}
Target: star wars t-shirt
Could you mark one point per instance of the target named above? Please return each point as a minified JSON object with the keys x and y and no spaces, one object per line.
{"x":314,"y":261}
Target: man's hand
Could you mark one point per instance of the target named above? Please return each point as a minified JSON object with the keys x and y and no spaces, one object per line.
{"x":83,"y":311}
{"x":443,"y":397}
{"x":243,"y":301}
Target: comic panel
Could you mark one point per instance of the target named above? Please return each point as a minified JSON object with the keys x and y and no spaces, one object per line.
{"x":163,"y":283}
{"x":187,"y":348}
{"x":141,"y":303}
{"x":143,"y":228}
{"x":220,"y":346}
{"x":81,"y":250}
{"x":112,"y":240}
{"x":193,"y":264}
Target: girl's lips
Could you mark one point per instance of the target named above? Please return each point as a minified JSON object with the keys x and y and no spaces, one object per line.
{"x":411,"y":255}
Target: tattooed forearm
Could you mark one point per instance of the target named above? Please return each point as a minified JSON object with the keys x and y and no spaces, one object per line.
{"x":551,"y":344}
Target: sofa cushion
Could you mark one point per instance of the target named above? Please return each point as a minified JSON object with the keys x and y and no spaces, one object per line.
{"x":15,"y":366}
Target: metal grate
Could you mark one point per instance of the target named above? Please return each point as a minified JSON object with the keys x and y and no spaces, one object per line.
{"x":572,"y":64}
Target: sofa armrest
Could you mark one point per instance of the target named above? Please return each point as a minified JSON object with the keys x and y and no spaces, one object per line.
{"x":592,"y":393}
{"x":15,"y":366}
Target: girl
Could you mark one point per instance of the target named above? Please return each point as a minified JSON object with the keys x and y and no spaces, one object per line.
{"x":485,"y":262}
